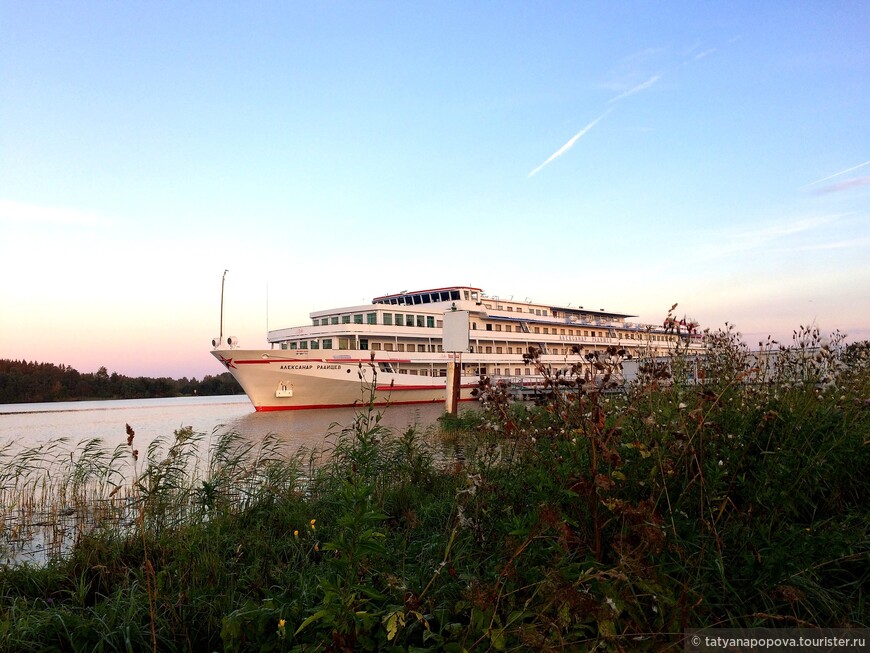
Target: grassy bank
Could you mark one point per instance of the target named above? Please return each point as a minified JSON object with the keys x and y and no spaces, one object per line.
{"x":597,"y":519}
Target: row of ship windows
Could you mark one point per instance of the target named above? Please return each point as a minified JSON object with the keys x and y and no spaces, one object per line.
{"x":364,"y":344}
{"x":428,"y":321}
{"x":387,"y":319}
{"x":517,"y":371}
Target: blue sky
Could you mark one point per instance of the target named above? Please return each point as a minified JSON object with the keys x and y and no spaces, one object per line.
{"x":617,"y":155}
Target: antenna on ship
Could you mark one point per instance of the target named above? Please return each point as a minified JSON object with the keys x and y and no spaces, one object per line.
{"x":223,"y":279}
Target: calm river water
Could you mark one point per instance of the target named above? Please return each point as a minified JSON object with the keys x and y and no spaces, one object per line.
{"x":28,"y":425}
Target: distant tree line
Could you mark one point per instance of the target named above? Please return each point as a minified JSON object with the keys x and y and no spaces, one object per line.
{"x":21,"y":381}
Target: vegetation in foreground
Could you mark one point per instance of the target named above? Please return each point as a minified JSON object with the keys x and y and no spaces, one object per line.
{"x":594,"y":521}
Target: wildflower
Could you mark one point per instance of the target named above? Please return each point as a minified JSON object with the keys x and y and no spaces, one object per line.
{"x":296,"y":534}
{"x":312,"y":524}
{"x":281,"y":628}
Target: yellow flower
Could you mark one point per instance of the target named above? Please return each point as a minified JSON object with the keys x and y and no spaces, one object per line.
{"x":281,"y":623}
{"x":312,"y":524}
{"x":296,"y":534}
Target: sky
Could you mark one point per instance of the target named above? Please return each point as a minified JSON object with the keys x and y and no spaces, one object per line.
{"x":621,"y":155}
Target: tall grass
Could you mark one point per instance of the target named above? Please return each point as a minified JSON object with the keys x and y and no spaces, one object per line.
{"x":605,"y":517}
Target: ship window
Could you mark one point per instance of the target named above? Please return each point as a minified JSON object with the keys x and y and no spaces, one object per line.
{"x":498,"y":327}
{"x":546,"y":330}
{"x":511,"y":351}
{"x":510,"y":309}
{"x":528,"y":371}
{"x":388,"y":319}
{"x":303,"y":344}
{"x":489,"y":327}
{"x":371,"y":318}
{"x":293,"y":345}
{"x":508,"y":327}
{"x":420,"y":321}
{"x":409,"y":320}
{"x":327,"y":343}
{"x":388,"y":346}
{"x":376,"y":346}
{"x":400,"y":347}
{"x":333,"y":319}
{"x":345,"y":319}
{"x":315,"y":344}
{"x":430,"y":321}
{"x":537,"y":330}
{"x":411,"y":347}
{"x":283,"y":345}
{"x":399,"y":319}
{"x":344,"y":343}
{"x":454,"y":294}
{"x":517,"y":371}
{"x":357,"y":319}
{"x":315,"y":322}
{"x":498,"y":350}
{"x":489,"y":350}
{"x":363,"y":343}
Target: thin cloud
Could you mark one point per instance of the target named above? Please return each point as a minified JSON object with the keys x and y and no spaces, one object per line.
{"x":836,"y":244}
{"x":705,"y":53}
{"x":20,"y":212}
{"x":844,"y":185}
{"x":637,"y":89}
{"x":745,"y":240}
{"x":751,"y":238}
{"x":567,"y":146}
{"x":837,"y":174}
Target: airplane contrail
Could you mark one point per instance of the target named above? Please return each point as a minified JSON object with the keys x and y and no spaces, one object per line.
{"x":636,"y":89}
{"x":567,"y":146}
{"x":837,"y":174}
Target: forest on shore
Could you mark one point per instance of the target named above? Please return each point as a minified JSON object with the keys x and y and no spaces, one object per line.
{"x":23,"y":382}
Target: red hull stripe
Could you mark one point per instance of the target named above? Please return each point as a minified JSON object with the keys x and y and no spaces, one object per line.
{"x":266,"y":361}
{"x":266,"y":409}
{"x":387,"y":388}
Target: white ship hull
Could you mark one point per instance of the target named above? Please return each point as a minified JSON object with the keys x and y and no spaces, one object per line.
{"x":274,"y":381}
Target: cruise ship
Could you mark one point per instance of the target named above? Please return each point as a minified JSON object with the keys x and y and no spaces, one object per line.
{"x":391,"y":351}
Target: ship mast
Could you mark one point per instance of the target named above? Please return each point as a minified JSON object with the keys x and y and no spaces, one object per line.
{"x":221,"y":335}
